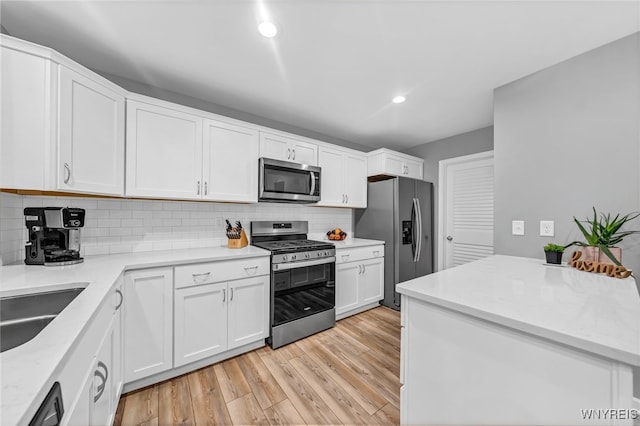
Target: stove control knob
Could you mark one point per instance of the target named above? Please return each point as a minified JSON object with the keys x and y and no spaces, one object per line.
{"x":293,"y":257}
{"x":307,"y":255}
{"x":284,"y":257}
{"x":326,"y":253}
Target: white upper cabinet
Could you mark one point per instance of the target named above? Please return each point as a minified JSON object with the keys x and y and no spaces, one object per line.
{"x":164,"y":152}
{"x":91,"y":135}
{"x":230,"y":162}
{"x":173,"y":152}
{"x":288,"y":149}
{"x":386,"y":162}
{"x":344,"y":178}
{"x":27,"y":117}
{"x":62,"y":125}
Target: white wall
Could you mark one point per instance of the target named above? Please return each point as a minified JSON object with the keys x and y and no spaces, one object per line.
{"x":126,"y":226}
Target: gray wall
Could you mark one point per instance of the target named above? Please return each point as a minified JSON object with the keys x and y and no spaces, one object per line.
{"x":170,"y":96}
{"x":479,"y":140}
{"x":568,"y":138}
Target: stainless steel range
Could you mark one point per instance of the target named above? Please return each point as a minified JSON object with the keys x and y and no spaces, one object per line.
{"x":302,"y":280}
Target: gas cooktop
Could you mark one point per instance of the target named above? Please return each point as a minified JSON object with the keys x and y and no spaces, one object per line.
{"x":292,"y":246}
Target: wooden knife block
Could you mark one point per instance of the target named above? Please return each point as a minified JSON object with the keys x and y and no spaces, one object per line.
{"x":239,"y":242}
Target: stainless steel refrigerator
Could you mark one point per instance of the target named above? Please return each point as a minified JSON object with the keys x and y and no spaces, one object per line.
{"x":399,"y":212}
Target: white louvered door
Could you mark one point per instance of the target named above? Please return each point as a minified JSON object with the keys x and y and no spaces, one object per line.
{"x":467,"y":209}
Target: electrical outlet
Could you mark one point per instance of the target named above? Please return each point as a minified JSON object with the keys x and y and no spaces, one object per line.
{"x":546,"y":228}
{"x":517,"y":227}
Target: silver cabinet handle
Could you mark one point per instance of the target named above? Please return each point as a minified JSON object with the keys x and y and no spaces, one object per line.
{"x":224,"y":295}
{"x":231,"y":297}
{"x":205,"y":188}
{"x":288,"y":153}
{"x":294,"y":154}
{"x":67,"y":171}
{"x":251,"y":270}
{"x":103,"y":378}
{"x":346,"y":198}
{"x":364,"y":268}
{"x":198,"y":190}
{"x":342,"y":198}
{"x":119,"y":293}
{"x":376,"y":253}
{"x":359,"y":269}
{"x":449,"y":238}
{"x":200,"y":278}
{"x":345,"y":256}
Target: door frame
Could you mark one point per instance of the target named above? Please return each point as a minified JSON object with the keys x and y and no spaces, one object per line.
{"x":442,"y":185}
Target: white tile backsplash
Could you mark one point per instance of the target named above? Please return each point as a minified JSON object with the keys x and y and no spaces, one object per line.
{"x":126,"y":226}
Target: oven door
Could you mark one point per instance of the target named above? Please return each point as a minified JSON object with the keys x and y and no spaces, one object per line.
{"x":302,"y":289}
{"x":286,"y":181}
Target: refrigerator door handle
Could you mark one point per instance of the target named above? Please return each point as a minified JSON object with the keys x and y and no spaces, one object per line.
{"x":416,"y":230}
{"x":419,"y":233}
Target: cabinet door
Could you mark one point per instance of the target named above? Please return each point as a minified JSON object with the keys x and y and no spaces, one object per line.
{"x":80,"y":413}
{"x":331,"y":184}
{"x":102,"y":411}
{"x":230,"y":162}
{"x":305,"y":153}
{"x":27,"y":114}
{"x":347,"y":275}
{"x":276,"y":147}
{"x":164,"y":152}
{"x":248,"y":310}
{"x":355,"y":180}
{"x":413,"y":169}
{"x":394,"y":165}
{"x":117,"y":370}
{"x":91,"y":136}
{"x":200,"y":322}
{"x":372,"y":280}
{"x":148,"y":319}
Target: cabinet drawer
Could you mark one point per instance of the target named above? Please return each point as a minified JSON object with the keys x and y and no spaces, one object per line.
{"x":226,"y":270}
{"x":360,"y":253}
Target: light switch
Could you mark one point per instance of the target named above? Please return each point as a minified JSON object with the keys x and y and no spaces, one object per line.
{"x":517,"y":227}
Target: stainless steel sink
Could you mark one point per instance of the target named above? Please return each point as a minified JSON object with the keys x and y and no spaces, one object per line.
{"x":23,"y":317}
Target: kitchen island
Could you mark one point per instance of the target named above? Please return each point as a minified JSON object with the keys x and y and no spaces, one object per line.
{"x":508,"y":340}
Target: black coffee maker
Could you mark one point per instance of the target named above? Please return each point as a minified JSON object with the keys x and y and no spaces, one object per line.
{"x":54,"y":235}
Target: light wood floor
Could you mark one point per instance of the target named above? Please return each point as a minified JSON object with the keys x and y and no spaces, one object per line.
{"x":346,"y":375}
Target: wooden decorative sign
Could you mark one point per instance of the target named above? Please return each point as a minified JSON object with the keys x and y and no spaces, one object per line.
{"x":615,"y":271}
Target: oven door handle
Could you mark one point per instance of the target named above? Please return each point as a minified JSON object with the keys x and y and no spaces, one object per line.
{"x":302,"y":263}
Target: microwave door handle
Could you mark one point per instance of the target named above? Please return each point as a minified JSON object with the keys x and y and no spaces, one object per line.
{"x":313,"y":184}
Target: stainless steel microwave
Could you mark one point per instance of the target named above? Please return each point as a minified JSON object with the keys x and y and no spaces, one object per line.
{"x":287,"y":182}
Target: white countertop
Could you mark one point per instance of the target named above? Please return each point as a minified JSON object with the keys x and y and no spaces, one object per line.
{"x":580,"y":309}
{"x":29,"y":370}
{"x":355,"y":242}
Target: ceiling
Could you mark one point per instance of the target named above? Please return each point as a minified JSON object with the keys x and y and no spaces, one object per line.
{"x":335,"y":65}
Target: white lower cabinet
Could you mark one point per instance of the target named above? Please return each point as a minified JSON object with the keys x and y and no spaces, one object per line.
{"x":359,"y":279}
{"x":213,"y":317}
{"x":201,"y":322}
{"x":96,"y":397}
{"x":148,"y":318}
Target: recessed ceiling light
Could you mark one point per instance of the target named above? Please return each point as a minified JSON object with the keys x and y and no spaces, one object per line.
{"x":398,"y":99}
{"x":268,"y":29}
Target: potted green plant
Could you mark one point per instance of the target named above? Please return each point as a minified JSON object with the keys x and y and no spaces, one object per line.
{"x":602,"y":235}
{"x":553,"y":253}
